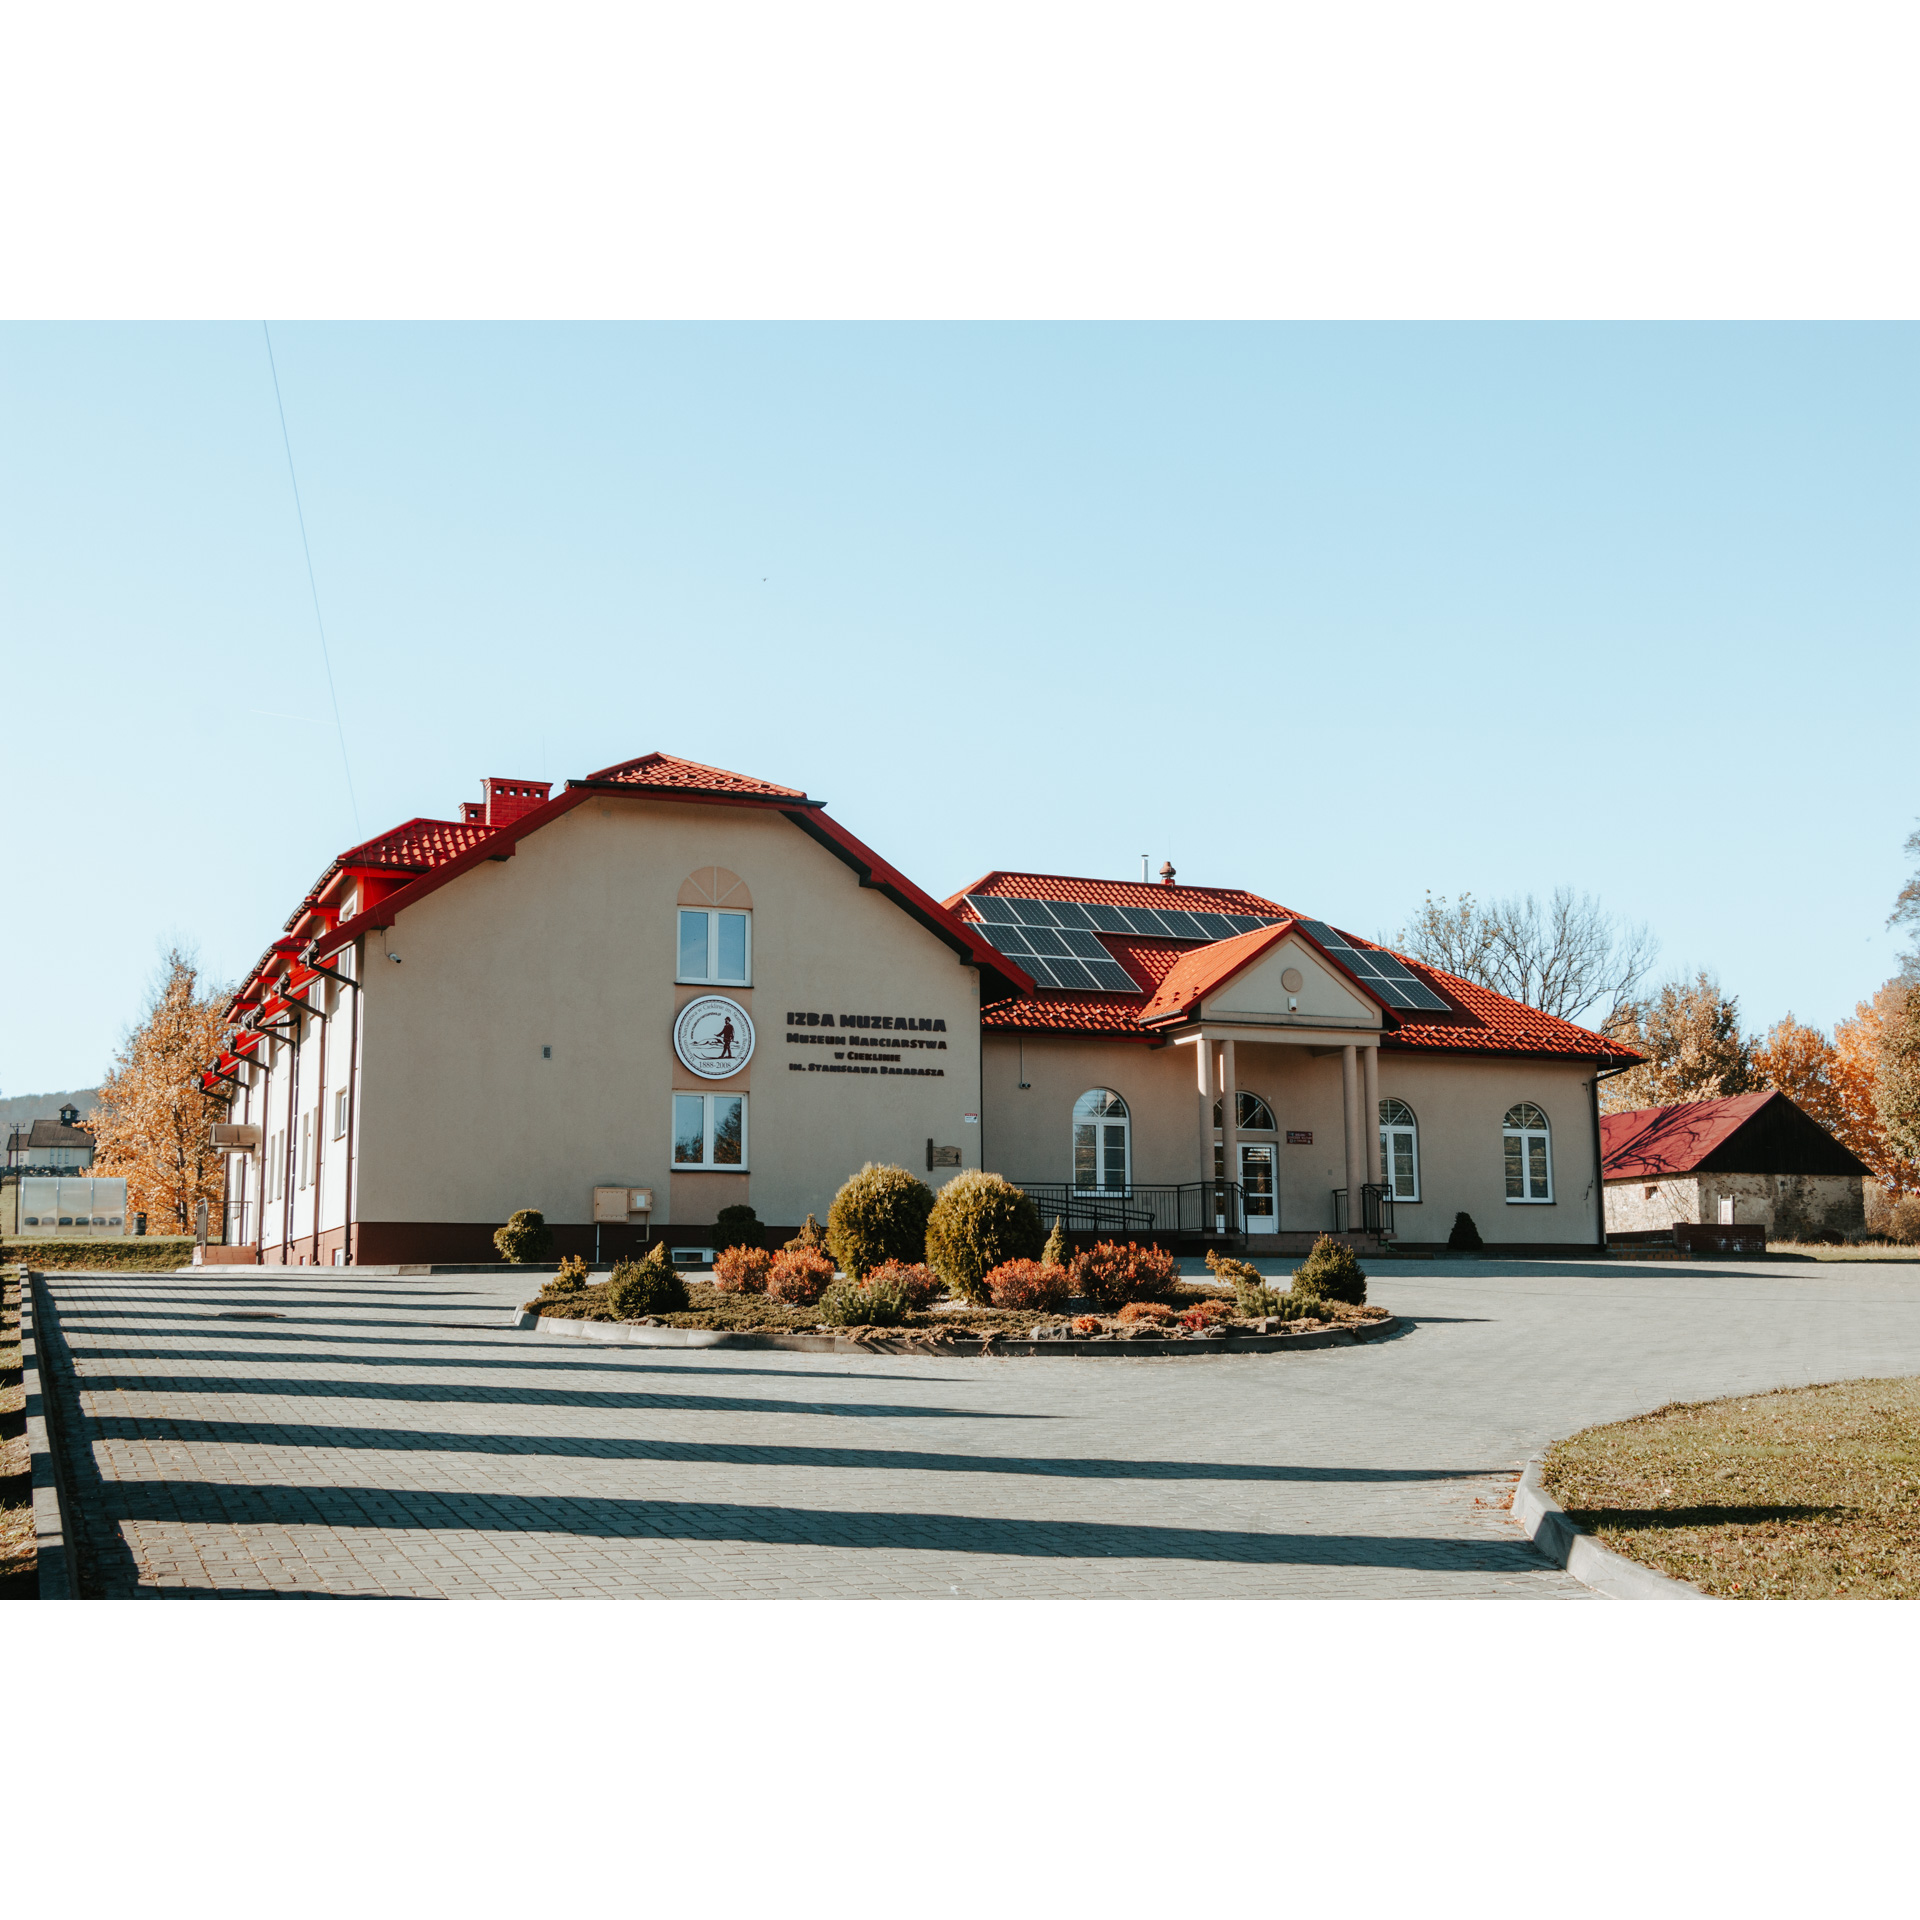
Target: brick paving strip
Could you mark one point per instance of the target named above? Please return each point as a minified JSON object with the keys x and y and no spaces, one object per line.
{"x":390,"y":1437}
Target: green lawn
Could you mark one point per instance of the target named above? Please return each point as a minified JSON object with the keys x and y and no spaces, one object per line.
{"x":138,"y":1253}
{"x":1810,"y":1493}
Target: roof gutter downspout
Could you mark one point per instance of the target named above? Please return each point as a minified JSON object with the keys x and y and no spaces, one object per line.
{"x":1599,"y":1155}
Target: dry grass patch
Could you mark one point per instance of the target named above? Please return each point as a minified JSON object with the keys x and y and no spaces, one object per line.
{"x":16,"y":1465}
{"x":1857,"y":1250}
{"x":1808,"y":1493}
{"x":138,"y":1253}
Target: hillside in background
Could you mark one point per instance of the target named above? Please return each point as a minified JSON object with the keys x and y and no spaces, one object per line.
{"x":15,"y":1107}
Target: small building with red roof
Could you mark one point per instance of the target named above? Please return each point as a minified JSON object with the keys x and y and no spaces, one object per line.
{"x":1751,"y":1160}
{"x":667,"y":989}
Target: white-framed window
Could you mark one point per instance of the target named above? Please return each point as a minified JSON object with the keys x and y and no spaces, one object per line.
{"x":716,"y":947}
{"x":1400,"y":1149}
{"x":710,"y":1130}
{"x":306,"y":1149}
{"x":276,"y":1165}
{"x":1251,"y":1114}
{"x":1529,"y":1155}
{"x":340,"y":1114}
{"x":1102,"y":1142}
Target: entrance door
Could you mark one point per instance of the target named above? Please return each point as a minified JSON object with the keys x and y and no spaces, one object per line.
{"x":1259,"y":1189}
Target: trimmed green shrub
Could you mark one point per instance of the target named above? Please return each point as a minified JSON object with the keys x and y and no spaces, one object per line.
{"x":1056,"y":1253}
{"x":879,"y":1215}
{"x":808,"y":1236}
{"x":736,"y":1227}
{"x":1465,"y":1237}
{"x":879,"y":1303}
{"x":742,"y":1270}
{"x":922,"y":1284}
{"x":1332,"y":1271}
{"x":526,"y":1236}
{"x":799,"y":1276}
{"x":640,"y":1287}
{"x":572,"y":1277}
{"x":1114,"y":1274}
{"x":978,"y":1222}
{"x":1023,"y":1284}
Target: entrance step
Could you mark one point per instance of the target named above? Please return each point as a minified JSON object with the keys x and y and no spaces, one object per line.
{"x":1273,"y":1244}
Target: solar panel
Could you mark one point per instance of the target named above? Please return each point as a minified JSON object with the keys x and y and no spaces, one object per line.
{"x":1070,"y":913}
{"x":1186,"y":926}
{"x":1112,"y":977}
{"x":1219,"y":926}
{"x":1072,"y":973}
{"x":1145,"y":920}
{"x":1009,"y":939}
{"x":1083,"y":946}
{"x":1049,"y":941}
{"x":1041,"y":971}
{"x":1325,"y":936}
{"x":993,"y":909}
{"x":1107,"y":919}
{"x":1037,"y":913}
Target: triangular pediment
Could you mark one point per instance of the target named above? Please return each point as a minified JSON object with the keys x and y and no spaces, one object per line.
{"x":1291,"y":981}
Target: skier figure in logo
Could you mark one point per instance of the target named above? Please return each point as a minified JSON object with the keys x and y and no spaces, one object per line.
{"x":726,"y":1039}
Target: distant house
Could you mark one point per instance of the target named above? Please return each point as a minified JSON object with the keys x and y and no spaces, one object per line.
{"x":1753,"y":1160}
{"x":51,"y":1146}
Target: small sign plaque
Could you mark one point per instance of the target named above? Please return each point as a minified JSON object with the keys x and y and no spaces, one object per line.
{"x":1297,"y":1138}
{"x":941,"y":1156}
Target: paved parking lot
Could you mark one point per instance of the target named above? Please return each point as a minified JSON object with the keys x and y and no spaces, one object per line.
{"x":390,"y":1437}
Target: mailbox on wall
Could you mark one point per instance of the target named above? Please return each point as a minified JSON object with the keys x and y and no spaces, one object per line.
{"x":618,"y":1205}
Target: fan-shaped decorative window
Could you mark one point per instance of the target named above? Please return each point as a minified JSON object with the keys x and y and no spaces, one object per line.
{"x":1527,"y":1141}
{"x":1102,"y":1141}
{"x":1252,"y":1114}
{"x":1400,"y":1149}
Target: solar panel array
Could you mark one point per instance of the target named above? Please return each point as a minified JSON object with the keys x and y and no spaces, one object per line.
{"x":1056,"y":941}
{"x":1391,"y":978}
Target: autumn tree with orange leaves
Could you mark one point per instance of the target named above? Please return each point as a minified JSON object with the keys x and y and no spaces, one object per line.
{"x":151,"y":1122}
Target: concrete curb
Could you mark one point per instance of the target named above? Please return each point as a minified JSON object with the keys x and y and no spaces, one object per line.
{"x":1550,"y":1528}
{"x":621,"y":1333}
{"x":51,"y":1558}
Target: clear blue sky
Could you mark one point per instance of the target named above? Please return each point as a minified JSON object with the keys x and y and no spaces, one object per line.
{"x":1335,"y":613}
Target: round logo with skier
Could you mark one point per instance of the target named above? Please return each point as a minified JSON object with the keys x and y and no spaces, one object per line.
{"x":713,"y":1037}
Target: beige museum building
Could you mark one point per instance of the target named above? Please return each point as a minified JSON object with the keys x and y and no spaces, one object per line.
{"x":668,"y":989}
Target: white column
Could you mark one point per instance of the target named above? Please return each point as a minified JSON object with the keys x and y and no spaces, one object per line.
{"x":1370,"y":1117}
{"x":1203,"y":1058}
{"x":1229,"y":1112}
{"x":1350,"y":1102}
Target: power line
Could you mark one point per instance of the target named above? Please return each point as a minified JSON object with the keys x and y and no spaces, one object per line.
{"x":312,"y":585}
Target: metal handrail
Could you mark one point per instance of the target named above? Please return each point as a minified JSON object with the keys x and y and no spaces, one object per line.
{"x":1205,"y":1207}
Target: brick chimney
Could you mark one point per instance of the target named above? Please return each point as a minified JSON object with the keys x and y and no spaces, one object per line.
{"x":507,"y":800}
{"x":1166,"y":873}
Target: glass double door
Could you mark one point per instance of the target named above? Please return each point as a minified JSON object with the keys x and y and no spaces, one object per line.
{"x":1259,"y":1183}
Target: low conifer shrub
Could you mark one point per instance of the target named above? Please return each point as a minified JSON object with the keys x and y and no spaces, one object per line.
{"x":1465,"y":1237}
{"x":572,"y":1277}
{"x":742,"y":1269}
{"x":1056,"y":1253}
{"x":1253,"y":1299}
{"x":879,"y":1215}
{"x":525,"y":1237}
{"x":736,"y":1227}
{"x":637,"y":1288}
{"x":876,"y":1302}
{"x":1332,"y":1271}
{"x":921,"y":1283}
{"x":799,"y":1276}
{"x":1023,"y":1284}
{"x":980,"y":1221}
{"x":1114,"y":1274}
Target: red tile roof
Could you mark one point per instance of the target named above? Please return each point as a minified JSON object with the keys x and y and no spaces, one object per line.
{"x":1115,"y":893}
{"x":1201,"y":970}
{"x":1175,"y":977}
{"x":662,"y":772}
{"x":417,"y":846}
{"x":1652,"y":1142}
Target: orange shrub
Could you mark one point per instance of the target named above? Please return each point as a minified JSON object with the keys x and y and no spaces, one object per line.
{"x":742,"y":1270}
{"x":1023,"y":1284}
{"x":1085,"y":1324}
{"x":799,"y":1276}
{"x":920,"y":1282}
{"x":1114,"y":1274}
{"x":1146,"y":1313}
{"x":1205,"y":1313}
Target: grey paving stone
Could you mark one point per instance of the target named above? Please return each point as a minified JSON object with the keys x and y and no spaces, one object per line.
{"x":365,"y":1446}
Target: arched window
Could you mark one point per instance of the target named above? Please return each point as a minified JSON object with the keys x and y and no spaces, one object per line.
{"x":1529,"y":1155}
{"x":1102,"y":1143}
{"x":1253,"y":1115}
{"x":1400,"y":1149}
